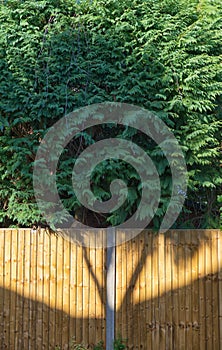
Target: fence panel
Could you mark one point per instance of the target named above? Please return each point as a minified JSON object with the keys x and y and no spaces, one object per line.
{"x":48,"y":293}
{"x":174,"y":289}
{"x":168,"y":290}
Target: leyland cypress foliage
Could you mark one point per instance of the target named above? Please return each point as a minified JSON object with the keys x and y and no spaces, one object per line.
{"x":58,"y":55}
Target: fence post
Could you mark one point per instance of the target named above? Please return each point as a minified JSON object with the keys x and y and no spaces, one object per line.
{"x":110,"y":287}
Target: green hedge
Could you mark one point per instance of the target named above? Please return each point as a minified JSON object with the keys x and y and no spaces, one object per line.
{"x":57,"y":56}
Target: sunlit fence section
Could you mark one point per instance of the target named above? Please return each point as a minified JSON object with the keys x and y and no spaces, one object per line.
{"x":168,"y":290}
{"x":48,"y":291}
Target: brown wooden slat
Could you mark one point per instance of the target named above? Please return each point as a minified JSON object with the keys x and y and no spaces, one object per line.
{"x":214,"y":286}
{"x":7,"y":286}
{"x":14,"y":248}
{"x":188,"y":297}
{"x":20,"y":289}
{"x":46,"y":290}
{"x":208,"y":295}
{"x":73,"y":284}
{"x":178,"y":302}
{"x":2,"y":289}
{"x":148,"y":282}
{"x":142,"y":292}
{"x":124,"y":286}
{"x":162,"y":291}
{"x":99,"y":297}
{"x":52,"y":290}
{"x":128,"y":298}
{"x":195,"y":292}
{"x":26,"y":289}
{"x":66,"y":295}
{"x":92,"y":292}
{"x":85,"y":294}
{"x":168,"y":288}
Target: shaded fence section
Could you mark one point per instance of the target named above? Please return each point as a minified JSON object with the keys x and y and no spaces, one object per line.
{"x":168,"y":291}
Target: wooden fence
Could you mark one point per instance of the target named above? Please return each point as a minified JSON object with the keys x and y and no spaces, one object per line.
{"x":168,"y":291}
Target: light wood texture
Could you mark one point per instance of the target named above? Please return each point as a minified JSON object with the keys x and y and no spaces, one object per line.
{"x":168,"y":292}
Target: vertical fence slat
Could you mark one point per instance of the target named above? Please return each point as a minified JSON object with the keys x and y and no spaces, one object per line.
{"x":73,"y":284}
{"x":195,"y":291}
{"x":142,"y":291}
{"x":155,"y":301}
{"x":13,"y":335}
{"x":85,"y":294}
{"x":123,"y":289}
{"x":99,"y":294}
{"x":103,"y":252}
{"x":202,"y":291}
{"x":110,"y":296}
{"x":184,"y":297}
{"x":52,"y":289}
{"x":162,"y":291}
{"x":168,"y":288}
{"x":46,"y":291}
{"x":128,"y":297}
{"x":215,"y":302}
{"x":79,"y":302}
{"x":208,"y":296}
{"x":20,"y":289}
{"x":177,"y":259}
{"x":148,"y":278}
{"x":40,"y":288}
{"x":66,"y":337}
{"x":92,"y":294}
{"x":188,"y":291}
{"x":7,"y":286}
{"x":26,"y":289}
{"x":2,"y":290}
{"x":33,"y":287}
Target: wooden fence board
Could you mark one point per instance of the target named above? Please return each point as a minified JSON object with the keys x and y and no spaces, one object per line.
{"x":46,"y":290}
{"x":7,"y":286}
{"x":148,"y":285}
{"x":13,"y":255}
{"x":99,"y":297}
{"x":92,"y":294}
{"x":215,"y":301}
{"x":169,"y":292}
{"x":142,"y":293}
{"x":73,"y":284}
{"x":177,"y":259}
{"x":26,"y":289}
{"x":162,"y":291}
{"x":52,"y":289}
{"x":2,"y":290}
{"x":20,"y":290}
{"x":208,"y":300}
{"x":126,"y":302}
{"x":195,"y":292}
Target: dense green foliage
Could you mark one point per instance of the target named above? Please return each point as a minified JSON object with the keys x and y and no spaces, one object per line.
{"x":58,"y":55}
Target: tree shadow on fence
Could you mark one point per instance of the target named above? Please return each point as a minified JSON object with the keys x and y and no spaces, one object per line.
{"x":186,"y":317}
{"x":168,"y":294}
